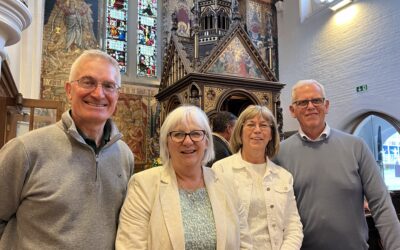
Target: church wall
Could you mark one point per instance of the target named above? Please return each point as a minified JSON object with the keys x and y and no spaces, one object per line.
{"x":25,"y":56}
{"x":342,"y":57}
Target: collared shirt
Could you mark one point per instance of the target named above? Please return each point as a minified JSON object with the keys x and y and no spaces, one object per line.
{"x":104,"y":139}
{"x":222,"y":138}
{"x":325,"y":134}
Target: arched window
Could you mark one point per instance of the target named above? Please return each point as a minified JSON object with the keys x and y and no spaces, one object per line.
{"x":383,"y":138}
{"x":222,"y":18}
{"x":117,"y":44}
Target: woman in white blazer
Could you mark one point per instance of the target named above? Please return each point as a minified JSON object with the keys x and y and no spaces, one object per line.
{"x":265,"y":189}
{"x":182,"y":205}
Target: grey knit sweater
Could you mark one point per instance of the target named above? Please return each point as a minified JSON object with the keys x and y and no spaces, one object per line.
{"x":55,"y":193}
{"x":331,"y":178}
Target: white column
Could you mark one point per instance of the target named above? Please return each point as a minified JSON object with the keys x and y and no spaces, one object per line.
{"x":27,"y":73}
{"x":14,"y":17}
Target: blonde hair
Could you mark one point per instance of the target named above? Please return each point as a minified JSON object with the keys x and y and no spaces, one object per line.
{"x":250,"y":112}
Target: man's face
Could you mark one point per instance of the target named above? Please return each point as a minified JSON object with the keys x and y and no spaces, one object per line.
{"x":310,"y":117}
{"x":92,"y":107}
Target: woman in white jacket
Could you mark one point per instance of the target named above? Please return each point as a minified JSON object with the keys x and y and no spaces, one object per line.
{"x":182,"y":204}
{"x":265,"y":189}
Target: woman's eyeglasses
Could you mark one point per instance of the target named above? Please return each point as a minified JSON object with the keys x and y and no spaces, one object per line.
{"x":194,"y":135}
{"x":262,"y":126}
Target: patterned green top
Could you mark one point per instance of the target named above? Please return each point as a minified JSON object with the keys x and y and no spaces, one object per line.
{"x":198,"y":220}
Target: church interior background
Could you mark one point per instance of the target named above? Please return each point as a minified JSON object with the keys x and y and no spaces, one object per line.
{"x":221,"y":55}
{"x":216,"y":54}
{"x":162,"y":48}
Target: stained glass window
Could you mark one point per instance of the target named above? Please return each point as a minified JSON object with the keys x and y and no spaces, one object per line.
{"x":116,"y":41}
{"x":147,"y":38}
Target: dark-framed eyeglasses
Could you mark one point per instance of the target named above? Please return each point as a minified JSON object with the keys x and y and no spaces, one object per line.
{"x":304,"y":103}
{"x":194,"y":135}
{"x":91,"y":84}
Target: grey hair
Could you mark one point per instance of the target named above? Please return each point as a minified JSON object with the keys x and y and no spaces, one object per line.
{"x":185,"y":115}
{"x":304,"y":83}
{"x":94,"y":53}
{"x":250,"y":112}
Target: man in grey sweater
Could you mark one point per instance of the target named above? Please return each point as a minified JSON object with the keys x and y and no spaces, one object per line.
{"x":62,"y":186}
{"x":333,"y":171}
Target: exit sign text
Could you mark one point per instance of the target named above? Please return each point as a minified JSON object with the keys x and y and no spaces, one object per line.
{"x":362,"y":88}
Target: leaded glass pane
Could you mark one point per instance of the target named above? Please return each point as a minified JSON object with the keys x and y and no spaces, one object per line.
{"x":116,"y":41}
{"x":147,"y":38}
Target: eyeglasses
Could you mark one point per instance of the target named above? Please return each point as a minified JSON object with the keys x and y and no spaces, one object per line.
{"x":262,"y":126}
{"x":91,"y":84}
{"x":194,"y":135}
{"x":304,"y":103}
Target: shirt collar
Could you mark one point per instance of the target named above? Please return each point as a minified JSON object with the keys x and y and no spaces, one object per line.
{"x":243,"y":164}
{"x":104,"y":139}
{"x":325,"y":134}
{"x":222,"y":138}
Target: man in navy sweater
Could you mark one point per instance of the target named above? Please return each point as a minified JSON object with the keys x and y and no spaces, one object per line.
{"x":333,"y":171}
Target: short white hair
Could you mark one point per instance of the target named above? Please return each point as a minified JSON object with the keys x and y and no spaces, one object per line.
{"x":302,"y":83}
{"x":95,"y":53}
{"x":184,"y":115}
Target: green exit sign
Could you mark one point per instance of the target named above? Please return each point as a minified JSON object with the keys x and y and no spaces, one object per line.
{"x":362,"y":88}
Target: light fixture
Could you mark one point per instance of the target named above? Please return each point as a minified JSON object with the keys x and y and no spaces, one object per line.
{"x":340,"y":4}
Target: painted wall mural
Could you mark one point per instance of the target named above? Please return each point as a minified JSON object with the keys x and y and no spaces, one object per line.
{"x":235,"y":60}
{"x":69,"y":28}
{"x":183,"y":19}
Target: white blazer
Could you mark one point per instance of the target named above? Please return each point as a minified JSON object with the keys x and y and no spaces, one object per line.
{"x":151,"y":218}
{"x":284,"y":225}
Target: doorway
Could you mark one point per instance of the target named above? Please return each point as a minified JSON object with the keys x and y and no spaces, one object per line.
{"x":236,"y":103}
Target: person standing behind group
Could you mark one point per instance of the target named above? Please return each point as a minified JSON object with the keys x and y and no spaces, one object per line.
{"x":333,"y":171}
{"x":265,"y":189}
{"x":62,"y":186}
{"x":182,"y":204}
{"x":222,"y":126}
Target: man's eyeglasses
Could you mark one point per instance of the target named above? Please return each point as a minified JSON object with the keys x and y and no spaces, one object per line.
{"x":194,"y":135}
{"x":262,"y":126}
{"x":91,"y":84}
{"x":304,"y":103}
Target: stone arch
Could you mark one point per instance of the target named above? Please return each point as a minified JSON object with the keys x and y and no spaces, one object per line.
{"x":236,"y":100}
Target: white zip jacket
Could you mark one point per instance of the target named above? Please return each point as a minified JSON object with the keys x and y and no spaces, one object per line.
{"x":284,"y":226}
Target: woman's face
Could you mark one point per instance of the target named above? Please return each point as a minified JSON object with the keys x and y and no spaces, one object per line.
{"x":187,"y":153}
{"x":256,"y":134}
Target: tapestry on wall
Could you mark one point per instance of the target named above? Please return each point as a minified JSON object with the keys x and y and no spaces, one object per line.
{"x":70,"y":27}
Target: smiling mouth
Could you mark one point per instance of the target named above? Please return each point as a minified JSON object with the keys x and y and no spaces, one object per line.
{"x":188,"y":151}
{"x":96,"y":104}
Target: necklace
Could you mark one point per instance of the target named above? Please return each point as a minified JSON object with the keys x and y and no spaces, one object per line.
{"x":190,"y":185}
